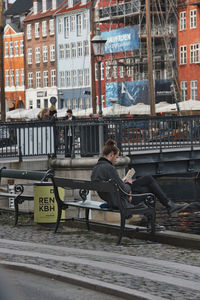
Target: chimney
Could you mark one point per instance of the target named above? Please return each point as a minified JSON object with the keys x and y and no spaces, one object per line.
{"x":54,"y":4}
{"x":44,"y":6}
{"x":35,"y":7}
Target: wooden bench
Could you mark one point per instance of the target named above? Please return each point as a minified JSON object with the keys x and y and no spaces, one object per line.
{"x":147,"y":208}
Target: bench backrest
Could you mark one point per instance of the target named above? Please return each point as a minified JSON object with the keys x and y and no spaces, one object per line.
{"x":24,"y":174}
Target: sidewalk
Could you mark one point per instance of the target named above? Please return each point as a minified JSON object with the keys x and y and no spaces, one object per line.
{"x":134,"y":270}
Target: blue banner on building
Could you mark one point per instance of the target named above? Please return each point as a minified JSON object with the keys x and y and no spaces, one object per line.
{"x":122,"y":39}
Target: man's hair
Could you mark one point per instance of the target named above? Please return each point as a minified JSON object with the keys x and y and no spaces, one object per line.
{"x":69,"y":111}
{"x":110,"y":146}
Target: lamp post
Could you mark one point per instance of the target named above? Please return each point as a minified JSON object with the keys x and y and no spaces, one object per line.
{"x":98,"y":43}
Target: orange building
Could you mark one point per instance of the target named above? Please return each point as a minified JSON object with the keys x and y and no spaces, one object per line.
{"x":14,"y":67}
{"x":188,"y":36}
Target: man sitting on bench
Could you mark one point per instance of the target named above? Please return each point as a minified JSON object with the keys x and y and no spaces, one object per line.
{"x":104,"y":170}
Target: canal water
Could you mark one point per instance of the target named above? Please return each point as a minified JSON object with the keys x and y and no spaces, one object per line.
{"x":181,"y":189}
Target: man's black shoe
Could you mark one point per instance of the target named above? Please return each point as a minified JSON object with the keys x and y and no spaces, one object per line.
{"x":173,"y":207}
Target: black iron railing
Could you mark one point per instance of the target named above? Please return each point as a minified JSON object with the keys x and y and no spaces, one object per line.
{"x":37,"y":138}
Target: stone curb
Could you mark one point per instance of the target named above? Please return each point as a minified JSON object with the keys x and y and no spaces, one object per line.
{"x":88,"y":283}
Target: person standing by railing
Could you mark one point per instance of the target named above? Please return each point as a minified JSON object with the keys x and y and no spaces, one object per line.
{"x":69,"y":134}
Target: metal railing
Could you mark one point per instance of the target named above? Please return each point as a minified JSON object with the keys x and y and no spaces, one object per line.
{"x":37,"y":138}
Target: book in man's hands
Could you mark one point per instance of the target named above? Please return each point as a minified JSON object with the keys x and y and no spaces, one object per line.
{"x":129,"y":174}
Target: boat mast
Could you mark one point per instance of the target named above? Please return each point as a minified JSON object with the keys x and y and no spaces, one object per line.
{"x":150,"y":59}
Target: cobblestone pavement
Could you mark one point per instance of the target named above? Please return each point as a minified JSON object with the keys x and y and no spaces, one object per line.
{"x":162,"y":270}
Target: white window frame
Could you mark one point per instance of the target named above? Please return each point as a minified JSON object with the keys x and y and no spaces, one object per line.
{"x":182,"y":23}
{"x":12,"y":77}
{"x":183,"y":55}
{"x":79,"y":24}
{"x":193,"y":89}
{"x":37,"y":55}
{"x":60,"y":25}
{"x":72,"y":23}
{"x":37,"y":30}
{"x":193,"y":53}
{"x":73,"y":78}
{"x":86,"y":77}
{"x":7,"y":77}
{"x":51,"y":27}
{"x":193,"y":18}
{"x":86,"y":48}
{"x":108,"y":70}
{"x":67,"y":79}
{"x":52,"y":52}
{"x":6,"y":49}
{"x":30,"y":80}
{"x":45,"y":78}
{"x":45,"y":54}
{"x":62,"y":78}
{"x":38,"y":79}
{"x":80,"y":77}
{"x":184,"y":90}
{"x":85,"y":20}
{"x":44,"y":28}
{"x":67,"y":26}
{"x":67,"y":51}
{"x":61,"y":51}
{"x":16,"y":48}
{"x":22,"y":77}
{"x":11,"y":49}
{"x":29,"y":34}
{"x":21,"y":48}
{"x":29,"y":56}
{"x":16,"y":77}
{"x":79,"y":49}
{"x":73,"y":50}
{"x":53,"y":77}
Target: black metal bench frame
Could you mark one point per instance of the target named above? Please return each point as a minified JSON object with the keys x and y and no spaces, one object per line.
{"x":84,"y":186}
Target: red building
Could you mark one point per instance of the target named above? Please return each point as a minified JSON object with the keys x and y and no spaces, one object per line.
{"x":189,"y":49}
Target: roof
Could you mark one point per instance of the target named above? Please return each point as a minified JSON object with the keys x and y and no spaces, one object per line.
{"x":19,"y":7}
{"x":75,"y":7}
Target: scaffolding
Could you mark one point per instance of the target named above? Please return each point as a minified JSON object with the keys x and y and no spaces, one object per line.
{"x":163,"y":33}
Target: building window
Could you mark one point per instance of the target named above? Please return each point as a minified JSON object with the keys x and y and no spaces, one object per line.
{"x":46,"y":103}
{"x":52,"y":52}
{"x":29,"y":32}
{"x":85,"y":20}
{"x":80,"y":49}
{"x":29,"y":56}
{"x":193,"y":90}
{"x":80,"y":103}
{"x":86,"y":77}
{"x":12,"y":82}
{"x":67,"y":51}
{"x":38,"y":103}
{"x":73,"y":23}
{"x":182,"y":20}
{"x":22,"y":76}
{"x":21,"y":48}
{"x":79,"y":25}
{"x":74,"y":78}
{"x":183,"y":55}
{"x":45,"y":78}
{"x":68,"y":103}
{"x":129,"y":64}
{"x":108,"y":70}
{"x":30,"y":104}
{"x":80,"y":77}
{"x":184,"y":90}
{"x":121,"y":70}
{"x":6,"y":49}
{"x":193,"y":19}
{"x":87,"y":102}
{"x":16,"y":77}
{"x":16,"y":48}
{"x":61,"y":51}
{"x":37,"y":30}
{"x":62,"y":79}
{"x":11,"y":48}
{"x":53,"y":77}
{"x":51,"y":27}
{"x":44,"y":28}
{"x":7,"y":77}
{"x":114,"y":70}
{"x":73,"y":49}
{"x":45,"y":53}
{"x":60,"y":25}
{"x":37,"y":55}
{"x":66,"y":27}
{"x":67,"y":78}
{"x":193,"y":53}
{"x":85,"y":48}
{"x":38,"y":80}
{"x":74,"y":103}
{"x":30,"y":80}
